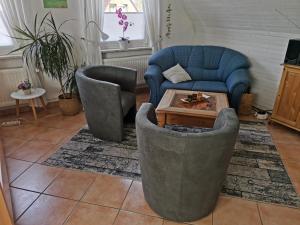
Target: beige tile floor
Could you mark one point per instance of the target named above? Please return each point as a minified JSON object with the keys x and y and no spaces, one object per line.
{"x":55,"y":196}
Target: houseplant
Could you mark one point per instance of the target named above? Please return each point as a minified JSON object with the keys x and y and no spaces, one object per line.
{"x":124,"y":23}
{"x":51,"y":51}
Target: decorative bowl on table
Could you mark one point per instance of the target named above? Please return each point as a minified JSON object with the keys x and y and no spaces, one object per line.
{"x":196,"y":98}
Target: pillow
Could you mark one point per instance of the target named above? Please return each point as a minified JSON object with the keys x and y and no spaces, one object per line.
{"x":176,"y":74}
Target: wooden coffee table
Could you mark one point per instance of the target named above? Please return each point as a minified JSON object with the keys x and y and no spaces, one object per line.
{"x":171,"y":110}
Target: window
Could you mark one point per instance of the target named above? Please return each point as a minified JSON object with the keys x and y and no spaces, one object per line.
{"x":134,"y":12}
{"x":6,"y":42}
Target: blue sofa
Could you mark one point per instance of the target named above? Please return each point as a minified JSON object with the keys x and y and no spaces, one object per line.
{"x":212,"y":68}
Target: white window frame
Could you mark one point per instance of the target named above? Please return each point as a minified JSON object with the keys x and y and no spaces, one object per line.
{"x":4,"y":49}
{"x":133,"y":44}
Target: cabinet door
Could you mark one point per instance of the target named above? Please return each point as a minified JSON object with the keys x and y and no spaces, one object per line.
{"x":287,"y":108}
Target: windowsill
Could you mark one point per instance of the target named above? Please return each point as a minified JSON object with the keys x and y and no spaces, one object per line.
{"x":11,"y":61}
{"x":130,"y":52}
{"x":10,"y":56}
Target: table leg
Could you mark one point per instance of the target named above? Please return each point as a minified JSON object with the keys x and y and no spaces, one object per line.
{"x":161,"y":119}
{"x":43,"y":103}
{"x":18,"y":107}
{"x":33,"y":108}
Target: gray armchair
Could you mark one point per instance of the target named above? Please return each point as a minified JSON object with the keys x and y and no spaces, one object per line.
{"x":183,"y":173}
{"x":108,"y":95}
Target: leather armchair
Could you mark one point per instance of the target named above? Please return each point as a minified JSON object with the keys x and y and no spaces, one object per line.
{"x":108,"y":95}
{"x":183,"y":173}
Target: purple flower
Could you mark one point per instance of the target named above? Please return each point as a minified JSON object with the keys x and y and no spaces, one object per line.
{"x":124,"y":17}
{"x":126,"y":24}
{"x":120,"y":15}
{"x":121,"y":22}
{"x":24,"y":85}
{"x":119,"y":10}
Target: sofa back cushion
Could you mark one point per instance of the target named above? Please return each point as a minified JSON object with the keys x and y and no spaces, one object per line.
{"x":207,"y":63}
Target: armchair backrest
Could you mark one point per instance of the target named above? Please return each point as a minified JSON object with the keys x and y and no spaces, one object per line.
{"x":101,"y":100}
{"x":176,"y":165}
{"x":125,"y":77}
{"x":207,"y":63}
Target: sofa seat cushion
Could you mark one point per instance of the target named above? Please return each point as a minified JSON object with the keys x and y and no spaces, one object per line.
{"x":211,"y":86}
{"x":127,"y":101}
{"x":187,"y":85}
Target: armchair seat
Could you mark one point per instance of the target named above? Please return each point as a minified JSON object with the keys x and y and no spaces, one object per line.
{"x":127,"y":101}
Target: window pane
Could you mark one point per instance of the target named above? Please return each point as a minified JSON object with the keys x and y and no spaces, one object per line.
{"x":114,"y":30}
{"x":4,"y":39}
{"x":126,"y":5}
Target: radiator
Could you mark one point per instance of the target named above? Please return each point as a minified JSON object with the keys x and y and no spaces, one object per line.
{"x":139,"y":63}
{"x":9,"y":78}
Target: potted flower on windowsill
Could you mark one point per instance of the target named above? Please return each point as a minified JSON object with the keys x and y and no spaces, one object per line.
{"x":124,"y":41}
{"x":25,"y":86}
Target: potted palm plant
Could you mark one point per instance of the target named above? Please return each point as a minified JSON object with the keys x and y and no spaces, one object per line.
{"x":51,"y":51}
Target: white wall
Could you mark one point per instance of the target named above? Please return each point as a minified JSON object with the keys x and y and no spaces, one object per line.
{"x":254,"y":27}
{"x":183,"y":30}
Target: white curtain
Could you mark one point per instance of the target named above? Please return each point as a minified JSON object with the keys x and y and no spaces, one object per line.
{"x":93,"y":13}
{"x":14,"y":15}
{"x":152,"y":19}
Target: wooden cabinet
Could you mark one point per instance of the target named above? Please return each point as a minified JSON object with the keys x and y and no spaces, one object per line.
{"x":287,"y":106}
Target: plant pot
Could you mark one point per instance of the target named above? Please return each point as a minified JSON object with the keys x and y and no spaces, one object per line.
{"x":69,"y":106}
{"x":27,"y":91}
{"x":123,"y":44}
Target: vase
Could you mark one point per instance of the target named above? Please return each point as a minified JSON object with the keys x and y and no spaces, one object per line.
{"x":27,"y":91}
{"x":123,"y":44}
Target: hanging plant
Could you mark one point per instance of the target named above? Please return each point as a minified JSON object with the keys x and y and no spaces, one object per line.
{"x":168,"y":21}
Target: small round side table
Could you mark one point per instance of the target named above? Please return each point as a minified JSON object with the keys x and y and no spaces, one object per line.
{"x":35,"y":93}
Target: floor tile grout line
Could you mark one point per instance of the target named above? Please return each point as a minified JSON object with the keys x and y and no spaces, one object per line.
{"x":53,"y":178}
{"x":16,"y":219}
{"x":127,"y":193}
{"x":20,"y":174}
{"x":71,"y":212}
{"x":259,"y":214}
{"x":116,"y":216}
{"x":122,"y":203}
{"x":23,"y":189}
{"x":88,"y":188}
{"x":17,"y":148}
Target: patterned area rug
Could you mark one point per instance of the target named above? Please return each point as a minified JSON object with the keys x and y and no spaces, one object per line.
{"x":256,"y":171}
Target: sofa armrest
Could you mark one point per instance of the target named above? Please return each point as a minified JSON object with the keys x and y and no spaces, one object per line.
{"x":154,"y":79}
{"x":237,"y":83}
{"x":154,"y":73}
{"x":237,"y":77}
